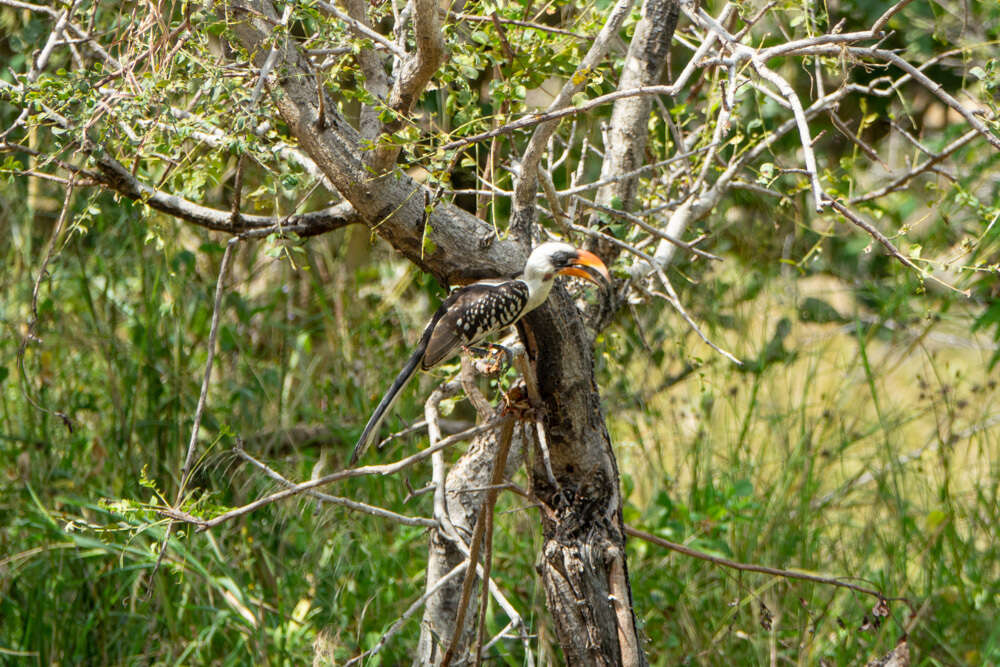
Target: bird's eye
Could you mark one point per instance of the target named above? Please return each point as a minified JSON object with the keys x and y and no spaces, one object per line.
{"x":563,"y":258}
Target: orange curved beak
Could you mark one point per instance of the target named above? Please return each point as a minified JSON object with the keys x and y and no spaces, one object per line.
{"x":587,"y":258}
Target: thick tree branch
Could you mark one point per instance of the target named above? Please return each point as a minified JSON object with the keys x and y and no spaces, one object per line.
{"x":376,"y":79}
{"x":412,"y":75}
{"x":456,"y":247}
{"x":628,"y":132}
{"x":112,"y":174}
{"x":526,"y":186}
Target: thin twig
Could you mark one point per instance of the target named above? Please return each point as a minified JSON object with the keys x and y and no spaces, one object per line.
{"x":576,"y":189}
{"x":655,"y":231}
{"x":302,"y":487}
{"x":524,"y":24}
{"x":524,"y":366}
{"x":30,"y":333}
{"x":887,"y":244}
{"x":913,"y":72}
{"x":881,"y":21}
{"x":361,"y":29}
{"x":533,"y":119}
{"x":763,"y":569}
{"x":365,"y":508}
{"x":484,"y":592}
{"x":272,"y":57}
{"x":199,"y":409}
{"x":904,"y":179}
{"x":674,"y":300}
{"x":207,"y":378}
{"x":855,"y":139}
{"x":439,"y":475}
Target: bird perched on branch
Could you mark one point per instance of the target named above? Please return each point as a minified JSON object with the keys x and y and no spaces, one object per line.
{"x":476,"y":311}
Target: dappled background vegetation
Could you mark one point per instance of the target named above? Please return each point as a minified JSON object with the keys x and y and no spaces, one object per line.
{"x":860,"y":438}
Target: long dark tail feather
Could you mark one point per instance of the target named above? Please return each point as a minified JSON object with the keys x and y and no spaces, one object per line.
{"x":370,"y":434}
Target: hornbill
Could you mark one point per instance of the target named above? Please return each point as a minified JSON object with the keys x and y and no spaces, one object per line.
{"x":473,"y":312}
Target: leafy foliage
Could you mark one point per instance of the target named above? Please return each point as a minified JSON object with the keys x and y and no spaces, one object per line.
{"x":854,"y":364}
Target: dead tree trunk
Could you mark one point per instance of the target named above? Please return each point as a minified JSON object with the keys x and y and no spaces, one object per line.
{"x":583,"y":560}
{"x":583,"y":563}
{"x":465,"y":494}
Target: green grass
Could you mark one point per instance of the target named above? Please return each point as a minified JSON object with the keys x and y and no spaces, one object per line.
{"x":769,"y":468}
{"x":760,"y":465}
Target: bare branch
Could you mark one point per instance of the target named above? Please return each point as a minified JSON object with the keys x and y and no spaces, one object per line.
{"x":439,"y":478}
{"x":302,"y":487}
{"x":887,"y":244}
{"x":499,"y":464}
{"x":30,"y":334}
{"x":655,"y":231}
{"x":762,"y":569}
{"x":917,"y":74}
{"x":361,"y":29}
{"x":757,"y":59}
{"x":904,"y":179}
{"x":376,"y":79}
{"x":206,"y":380}
{"x":854,"y":138}
{"x":42,"y":61}
{"x":801,"y":122}
{"x":881,"y":21}
{"x":534,"y":119}
{"x":200,"y":408}
{"x":365,"y":508}
{"x":411,"y":77}
{"x":628,"y":130}
{"x":674,"y":300}
{"x":272,"y":56}
{"x":114,"y":175}
{"x":523,"y":24}
{"x":38,"y":9}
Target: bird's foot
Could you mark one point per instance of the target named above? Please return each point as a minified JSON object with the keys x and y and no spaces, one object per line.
{"x":516,"y":403}
{"x":491,"y":359}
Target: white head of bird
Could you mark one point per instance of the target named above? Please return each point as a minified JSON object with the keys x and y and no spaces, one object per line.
{"x":555,"y":258}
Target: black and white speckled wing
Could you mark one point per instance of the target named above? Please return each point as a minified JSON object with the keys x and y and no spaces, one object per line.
{"x":470,"y":314}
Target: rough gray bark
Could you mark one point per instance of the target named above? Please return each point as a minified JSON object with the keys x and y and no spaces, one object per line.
{"x":466,"y":493}
{"x":393,"y":204}
{"x":376,"y":80}
{"x":582,"y":566}
{"x":522,"y":217}
{"x":584,"y":553}
{"x":628,"y":130}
